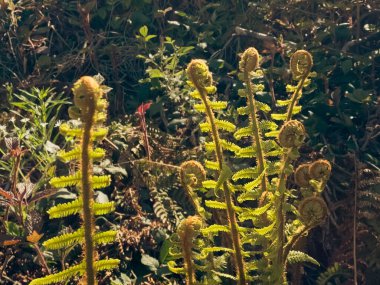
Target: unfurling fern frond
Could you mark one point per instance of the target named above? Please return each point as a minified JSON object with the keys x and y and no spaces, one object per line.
{"x":77,"y":237}
{"x":64,"y":240}
{"x":60,"y":276}
{"x":76,"y":270}
{"x":74,"y":154}
{"x":89,"y":107}
{"x":295,"y":256}
{"x":75,"y":207}
{"x":216,"y":105}
{"x":66,"y":209}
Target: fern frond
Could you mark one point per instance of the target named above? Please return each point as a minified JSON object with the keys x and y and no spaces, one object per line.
{"x":221,"y":124}
{"x":106,"y":264}
{"x":224,"y":275}
{"x":246,"y":173}
{"x":68,"y":156}
{"x":65,"y":209}
{"x":283,"y":103}
{"x":207,"y":250}
{"x":253,"y":184}
{"x":249,"y":196}
{"x":174,"y":268}
{"x":224,"y":175}
{"x":243,"y":132}
{"x":101,"y":181}
{"x":99,"y":134}
{"x":263,"y":107}
{"x":209,"y":184}
{"x":103,"y":208}
{"x":215,"y":205}
{"x":64,"y":240}
{"x":105,"y":237}
{"x":247,"y":152}
{"x":295,"y":256}
{"x":272,"y":134}
{"x":268,"y":125}
{"x":65,"y":181}
{"x":249,"y":213}
{"x":73,"y":180}
{"x":216,"y":105}
{"x":333,"y":270}
{"x":229,"y":146}
{"x":266,"y":230}
{"x":66,"y":130}
{"x":75,"y":207}
{"x":215,"y":229}
{"x":279,"y":117}
{"x":296,"y":110}
{"x":243,"y":110}
{"x":60,"y":276}
{"x":213,"y":165}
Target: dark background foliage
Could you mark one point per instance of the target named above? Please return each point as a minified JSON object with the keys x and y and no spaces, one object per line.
{"x":141,"y":48}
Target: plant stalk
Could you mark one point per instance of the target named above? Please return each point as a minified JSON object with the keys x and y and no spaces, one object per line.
{"x":238,"y":257}
{"x":88,"y":195}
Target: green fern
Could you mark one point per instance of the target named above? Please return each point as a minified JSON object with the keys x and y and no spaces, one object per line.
{"x":89,"y":108}
{"x":295,"y":256}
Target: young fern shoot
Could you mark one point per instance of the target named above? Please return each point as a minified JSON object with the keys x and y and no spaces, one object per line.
{"x":90,"y":108}
{"x":201,"y":79}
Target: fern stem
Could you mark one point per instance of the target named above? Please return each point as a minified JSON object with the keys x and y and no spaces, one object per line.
{"x":88,"y":195}
{"x":295,"y":96}
{"x":280,"y":218}
{"x":238,"y":257}
{"x":256,"y":133}
{"x":281,"y":188}
{"x":300,"y":232}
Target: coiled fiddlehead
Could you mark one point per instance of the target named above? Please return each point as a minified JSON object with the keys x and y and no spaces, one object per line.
{"x":300,"y":64}
{"x":313,"y":211}
{"x":320,"y":170}
{"x":192,"y":174}
{"x":302,"y":176}
{"x":292,"y":134}
{"x":90,"y":108}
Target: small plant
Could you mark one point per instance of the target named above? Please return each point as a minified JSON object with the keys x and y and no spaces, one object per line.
{"x":90,"y":108}
{"x":264,"y":217}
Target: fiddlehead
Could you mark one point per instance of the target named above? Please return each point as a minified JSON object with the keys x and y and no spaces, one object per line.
{"x":313,"y":211}
{"x":292,"y":134}
{"x":320,"y":170}
{"x":302,"y":176}
{"x":300,"y":64}
{"x":192,"y":175}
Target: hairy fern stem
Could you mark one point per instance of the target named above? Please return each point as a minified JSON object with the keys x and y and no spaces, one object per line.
{"x":257,"y":136}
{"x":238,"y":257}
{"x":88,"y":194}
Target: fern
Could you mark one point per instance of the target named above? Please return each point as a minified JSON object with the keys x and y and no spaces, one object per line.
{"x":332,"y":271}
{"x":76,"y":237}
{"x":89,"y":108}
{"x":76,"y":270}
{"x":75,"y":207}
{"x":299,"y":257}
{"x":269,"y":231}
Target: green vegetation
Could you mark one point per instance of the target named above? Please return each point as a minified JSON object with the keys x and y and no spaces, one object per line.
{"x":220,"y":164}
